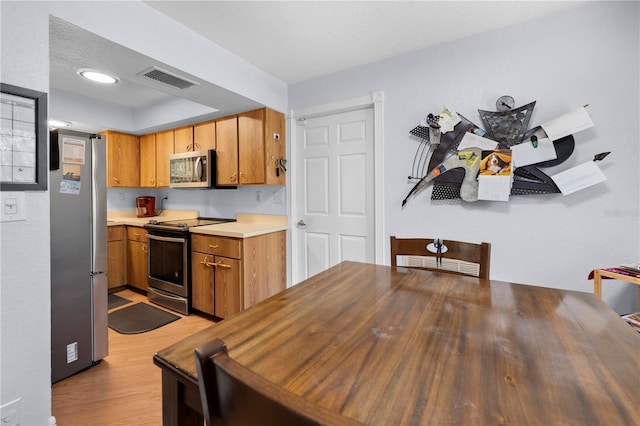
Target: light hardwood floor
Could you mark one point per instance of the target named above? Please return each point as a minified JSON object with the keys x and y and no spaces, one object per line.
{"x":125,"y":388}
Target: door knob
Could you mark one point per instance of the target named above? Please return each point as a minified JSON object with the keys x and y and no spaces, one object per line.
{"x":301,"y":224}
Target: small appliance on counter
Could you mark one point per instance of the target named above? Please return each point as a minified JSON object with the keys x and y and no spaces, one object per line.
{"x":146,"y":206}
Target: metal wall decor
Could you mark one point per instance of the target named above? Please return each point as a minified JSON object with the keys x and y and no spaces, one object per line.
{"x":455,"y":172}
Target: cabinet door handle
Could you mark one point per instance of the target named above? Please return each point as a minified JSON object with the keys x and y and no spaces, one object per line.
{"x":219,"y":264}
{"x":216,"y":265}
{"x":211,"y":246}
{"x":206,"y":263}
{"x":233,"y":178}
{"x":116,"y":180}
{"x":144,"y":249}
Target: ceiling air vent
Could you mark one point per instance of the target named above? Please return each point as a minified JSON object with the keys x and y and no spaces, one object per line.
{"x":165,"y":77}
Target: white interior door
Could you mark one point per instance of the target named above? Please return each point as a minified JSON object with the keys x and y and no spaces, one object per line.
{"x":335,"y":190}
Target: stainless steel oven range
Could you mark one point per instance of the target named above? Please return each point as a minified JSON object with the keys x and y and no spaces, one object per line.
{"x":170,"y":261}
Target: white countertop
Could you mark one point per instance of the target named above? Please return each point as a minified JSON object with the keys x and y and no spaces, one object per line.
{"x":128,"y":217}
{"x":246,"y":225}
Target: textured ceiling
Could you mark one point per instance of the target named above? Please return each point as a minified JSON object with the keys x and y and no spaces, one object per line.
{"x":300,"y":40}
{"x":291,"y":40}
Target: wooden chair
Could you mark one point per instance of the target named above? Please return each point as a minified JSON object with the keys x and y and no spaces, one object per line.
{"x":231,"y":394}
{"x":455,"y":257}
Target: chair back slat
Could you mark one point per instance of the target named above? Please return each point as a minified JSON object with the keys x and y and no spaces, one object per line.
{"x":417,"y":249}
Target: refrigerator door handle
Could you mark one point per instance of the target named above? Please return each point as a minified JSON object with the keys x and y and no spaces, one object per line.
{"x":93,"y":274}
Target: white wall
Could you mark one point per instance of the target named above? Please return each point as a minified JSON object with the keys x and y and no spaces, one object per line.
{"x":25,"y":316}
{"x":585,"y":55}
{"x":208,"y":202}
{"x":25,"y":364}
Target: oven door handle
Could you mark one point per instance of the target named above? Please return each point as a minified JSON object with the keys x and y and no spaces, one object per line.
{"x":168,"y":239}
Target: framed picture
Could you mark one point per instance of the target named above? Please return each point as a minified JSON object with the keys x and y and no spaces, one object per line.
{"x":23,"y":139}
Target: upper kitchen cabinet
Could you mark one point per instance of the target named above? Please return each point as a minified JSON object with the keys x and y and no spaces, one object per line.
{"x":250,"y":147}
{"x":123,"y":160}
{"x":227,"y":151}
{"x":148,"y":161}
{"x":204,"y":136}
{"x":164,"y":148}
{"x":154,"y":159}
{"x":183,"y":139}
{"x":275,"y":149}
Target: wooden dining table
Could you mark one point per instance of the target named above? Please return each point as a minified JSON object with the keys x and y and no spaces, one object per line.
{"x":398,"y":346}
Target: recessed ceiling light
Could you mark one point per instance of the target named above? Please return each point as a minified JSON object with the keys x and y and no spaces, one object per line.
{"x":58,"y":123}
{"x":97,"y":76}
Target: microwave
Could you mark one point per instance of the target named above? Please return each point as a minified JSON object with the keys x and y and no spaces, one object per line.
{"x":193,"y":169}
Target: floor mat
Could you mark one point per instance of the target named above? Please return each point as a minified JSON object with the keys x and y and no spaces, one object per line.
{"x":139,"y":318}
{"x":115,"y":301}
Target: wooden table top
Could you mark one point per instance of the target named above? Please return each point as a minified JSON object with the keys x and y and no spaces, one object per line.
{"x":392,"y":346}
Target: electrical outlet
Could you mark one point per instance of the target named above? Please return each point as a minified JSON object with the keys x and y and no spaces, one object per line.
{"x":10,"y":413}
{"x":278,"y":197}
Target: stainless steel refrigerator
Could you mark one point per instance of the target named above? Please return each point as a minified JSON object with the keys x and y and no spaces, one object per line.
{"x":79,"y":289}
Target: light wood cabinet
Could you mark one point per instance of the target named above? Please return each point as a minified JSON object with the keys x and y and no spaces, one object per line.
{"x":202,"y":279}
{"x":264,"y":267}
{"x":123,"y":160}
{"x":115,"y":256}
{"x":148,"y":161}
{"x":164,"y":148}
{"x":204,"y":136}
{"x":155,"y":149}
{"x":275,"y":148}
{"x":227,"y":151}
{"x":216,"y":275}
{"x":231,"y":274}
{"x":137,"y":257}
{"x":249,"y":148}
{"x":183,"y":139}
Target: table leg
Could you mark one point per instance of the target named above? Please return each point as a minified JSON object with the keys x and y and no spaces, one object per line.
{"x":597,"y":284}
{"x":175,"y":411}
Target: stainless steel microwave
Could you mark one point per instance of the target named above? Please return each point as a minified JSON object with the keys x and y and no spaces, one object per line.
{"x":192,"y":169}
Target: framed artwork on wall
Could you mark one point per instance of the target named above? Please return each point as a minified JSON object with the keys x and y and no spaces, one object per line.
{"x":23,"y":139}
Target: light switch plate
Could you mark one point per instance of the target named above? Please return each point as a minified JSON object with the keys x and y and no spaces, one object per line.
{"x":12,"y":206}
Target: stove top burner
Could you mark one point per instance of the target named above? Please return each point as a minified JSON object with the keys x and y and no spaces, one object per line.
{"x":185,"y":224}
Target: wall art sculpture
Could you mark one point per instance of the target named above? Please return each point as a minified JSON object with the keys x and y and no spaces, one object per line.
{"x":468,"y":162}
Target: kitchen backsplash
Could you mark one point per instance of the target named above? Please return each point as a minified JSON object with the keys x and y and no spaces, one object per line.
{"x":208,"y":202}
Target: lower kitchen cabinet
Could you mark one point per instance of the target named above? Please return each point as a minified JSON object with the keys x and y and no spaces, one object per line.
{"x":137,"y":257}
{"x":115,"y":256}
{"x":215,"y":282}
{"x":232,"y":274}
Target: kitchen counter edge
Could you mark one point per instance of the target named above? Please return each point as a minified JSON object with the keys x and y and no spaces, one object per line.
{"x":238,"y":229}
